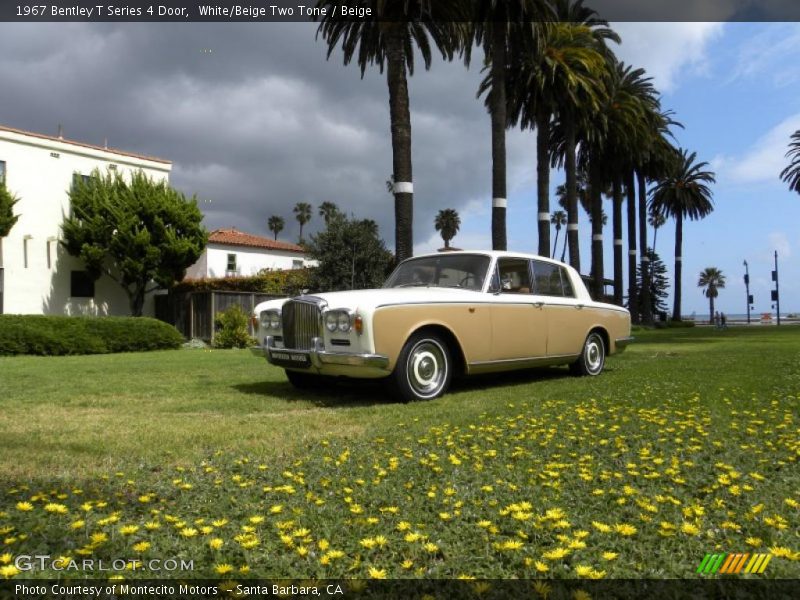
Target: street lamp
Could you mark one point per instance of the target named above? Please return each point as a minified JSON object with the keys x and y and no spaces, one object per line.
{"x":776,"y":298}
{"x":747,"y":290}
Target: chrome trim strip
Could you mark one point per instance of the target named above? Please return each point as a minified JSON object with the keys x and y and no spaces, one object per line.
{"x":495,"y":303}
{"x":527,"y":359}
{"x":508,"y":364}
{"x":320,"y":357}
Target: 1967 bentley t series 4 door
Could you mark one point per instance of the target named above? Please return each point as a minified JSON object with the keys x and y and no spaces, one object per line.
{"x":443,"y":314}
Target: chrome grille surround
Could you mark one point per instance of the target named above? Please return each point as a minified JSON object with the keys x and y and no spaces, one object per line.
{"x":302,"y":322}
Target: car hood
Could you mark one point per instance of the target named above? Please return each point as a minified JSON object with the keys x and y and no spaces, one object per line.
{"x":370,"y":299}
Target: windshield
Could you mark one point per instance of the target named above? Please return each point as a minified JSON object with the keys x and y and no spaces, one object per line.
{"x":466,"y":271}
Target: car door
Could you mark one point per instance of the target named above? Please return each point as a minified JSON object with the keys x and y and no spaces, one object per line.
{"x":567,"y":321}
{"x":519,"y":328}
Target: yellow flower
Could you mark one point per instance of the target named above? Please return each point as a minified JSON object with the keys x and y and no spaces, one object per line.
{"x":141,"y":547}
{"x":610,"y":555}
{"x":9,"y":571}
{"x":152,"y":525}
{"x":52,"y":507}
{"x":624,"y":529}
{"x":367,"y":543}
{"x":556,"y":554}
{"x":77,"y":524}
{"x":5,"y":558}
{"x":690,"y":529}
{"x":257,"y":519}
{"x":583,"y":570}
{"x":302,"y":550}
{"x":380,"y":540}
{"x":753,"y":541}
{"x":24,"y":507}
{"x":407,"y":564}
{"x":99,"y":537}
{"x":484,"y":524}
{"x":223,"y":569}
{"x":323,"y":545}
{"x":412,"y":537}
{"x":188,"y":532}
{"x":601,"y":527}
{"x":431,"y":547}
{"x":128,"y":529}
{"x":541,"y":567}
{"x":219,"y":522}
{"x":276,"y":509}
{"x":376,"y":573}
{"x":403,"y":526}
{"x":215,"y":543}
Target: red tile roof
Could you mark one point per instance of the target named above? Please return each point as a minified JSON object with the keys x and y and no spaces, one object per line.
{"x":232,"y":237}
{"x":53,"y":138}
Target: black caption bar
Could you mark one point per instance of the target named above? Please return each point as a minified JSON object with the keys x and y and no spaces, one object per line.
{"x":298,"y":10}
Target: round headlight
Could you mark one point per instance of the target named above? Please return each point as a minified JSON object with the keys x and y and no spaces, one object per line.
{"x":275,"y":320}
{"x":331,"y":321}
{"x":344,"y":322}
{"x":264,"y":318}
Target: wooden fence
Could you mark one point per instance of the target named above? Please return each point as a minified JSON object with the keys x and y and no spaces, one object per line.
{"x":192,"y":313}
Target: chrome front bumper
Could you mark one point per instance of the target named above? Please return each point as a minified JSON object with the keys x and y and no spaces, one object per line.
{"x":318,"y":357}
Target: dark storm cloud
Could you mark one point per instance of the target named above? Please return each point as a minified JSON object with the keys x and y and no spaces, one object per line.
{"x":253,"y":116}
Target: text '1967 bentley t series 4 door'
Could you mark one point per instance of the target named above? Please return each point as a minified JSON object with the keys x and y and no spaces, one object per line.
{"x":443,"y":314}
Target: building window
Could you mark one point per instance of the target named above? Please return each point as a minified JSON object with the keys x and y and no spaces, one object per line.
{"x":78,"y":177}
{"x":2,"y":171}
{"x":25,"y":241}
{"x":81,"y":285}
{"x":231,"y":268}
{"x":297,"y":264}
{"x":50,"y":242}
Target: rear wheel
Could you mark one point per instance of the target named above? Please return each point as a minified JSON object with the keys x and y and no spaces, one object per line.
{"x":424,"y":368}
{"x":593,"y":358}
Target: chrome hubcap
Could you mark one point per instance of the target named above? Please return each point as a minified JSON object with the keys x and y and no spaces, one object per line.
{"x":594,"y":354}
{"x":427,"y":368}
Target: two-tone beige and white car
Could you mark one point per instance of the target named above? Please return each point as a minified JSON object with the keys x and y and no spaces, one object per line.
{"x":442,"y":315}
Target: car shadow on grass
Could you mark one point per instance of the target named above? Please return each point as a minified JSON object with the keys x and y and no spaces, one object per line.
{"x":331,"y":393}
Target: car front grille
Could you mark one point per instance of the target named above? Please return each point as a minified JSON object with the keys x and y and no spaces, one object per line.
{"x":302,"y":321}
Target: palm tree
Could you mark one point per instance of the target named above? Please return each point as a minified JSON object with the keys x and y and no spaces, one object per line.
{"x":447,"y":222}
{"x":502,"y":28}
{"x":559,"y":219}
{"x":387,"y":38}
{"x":656,"y":221}
{"x":712,"y":279}
{"x":276,"y":225}
{"x":684,"y":193}
{"x":328,"y":210}
{"x":791,"y":174}
{"x":302,"y":212}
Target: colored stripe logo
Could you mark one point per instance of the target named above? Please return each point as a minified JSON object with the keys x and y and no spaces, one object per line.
{"x":734,"y":563}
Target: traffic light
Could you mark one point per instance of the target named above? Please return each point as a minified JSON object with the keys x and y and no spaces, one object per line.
{"x":774,"y":295}
{"x":750,"y":299}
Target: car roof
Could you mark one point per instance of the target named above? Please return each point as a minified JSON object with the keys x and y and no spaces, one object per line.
{"x":494,"y":254}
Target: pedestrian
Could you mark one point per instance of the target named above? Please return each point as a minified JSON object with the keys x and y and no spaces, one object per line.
{"x":717,"y":322}
{"x":723,"y":320}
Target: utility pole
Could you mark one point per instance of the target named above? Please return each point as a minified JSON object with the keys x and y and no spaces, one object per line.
{"x":747,"y":290}
{"x":776,"y":297}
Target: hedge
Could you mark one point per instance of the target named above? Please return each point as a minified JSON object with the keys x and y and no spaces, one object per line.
{"x":289,"y":283}
{"x":56,"y":335}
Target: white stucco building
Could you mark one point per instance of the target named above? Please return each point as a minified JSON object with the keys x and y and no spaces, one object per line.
{"x":236,"y":253}
{"x":37,"y":276}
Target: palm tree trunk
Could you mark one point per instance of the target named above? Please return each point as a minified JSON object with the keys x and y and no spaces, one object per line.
{"x":498,"y":110}
{"x":597,"y":231}
{"x":710,"y":309}
{"x":564,"y":248}
{"x":647,"y":314}
{"x":633,"y":292}
{"x":572,"y":195}
{"x":401,"y":144}
{"x":555,"y":243}
{"x":655,"y":237}
{"x":676,"y":307}
{"x":617,"y":219}
{"x":543,"y":179}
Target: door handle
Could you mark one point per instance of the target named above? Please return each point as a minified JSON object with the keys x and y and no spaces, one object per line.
{"x":579,"y":306}
{"x":538,"y":304}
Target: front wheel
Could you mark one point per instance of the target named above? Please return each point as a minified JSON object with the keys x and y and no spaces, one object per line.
{"x":424,"y":368}
{"x":593,"y":358}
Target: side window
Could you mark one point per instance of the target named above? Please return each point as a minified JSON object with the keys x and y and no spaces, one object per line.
{"x":566,"y":284}
{"x":547,"y":278}
{"x":514,"y":276}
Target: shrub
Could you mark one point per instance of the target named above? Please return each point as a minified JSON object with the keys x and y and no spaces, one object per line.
{"x":232,"y":329}
{"x":56,"y":335}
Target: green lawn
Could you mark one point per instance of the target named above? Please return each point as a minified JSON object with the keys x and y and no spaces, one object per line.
{"x":687,"y":444}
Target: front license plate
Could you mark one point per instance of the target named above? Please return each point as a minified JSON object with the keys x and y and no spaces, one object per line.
{"x":285,"y":359}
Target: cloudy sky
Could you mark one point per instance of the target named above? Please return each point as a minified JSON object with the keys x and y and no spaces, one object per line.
{"x":255,"y":119}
